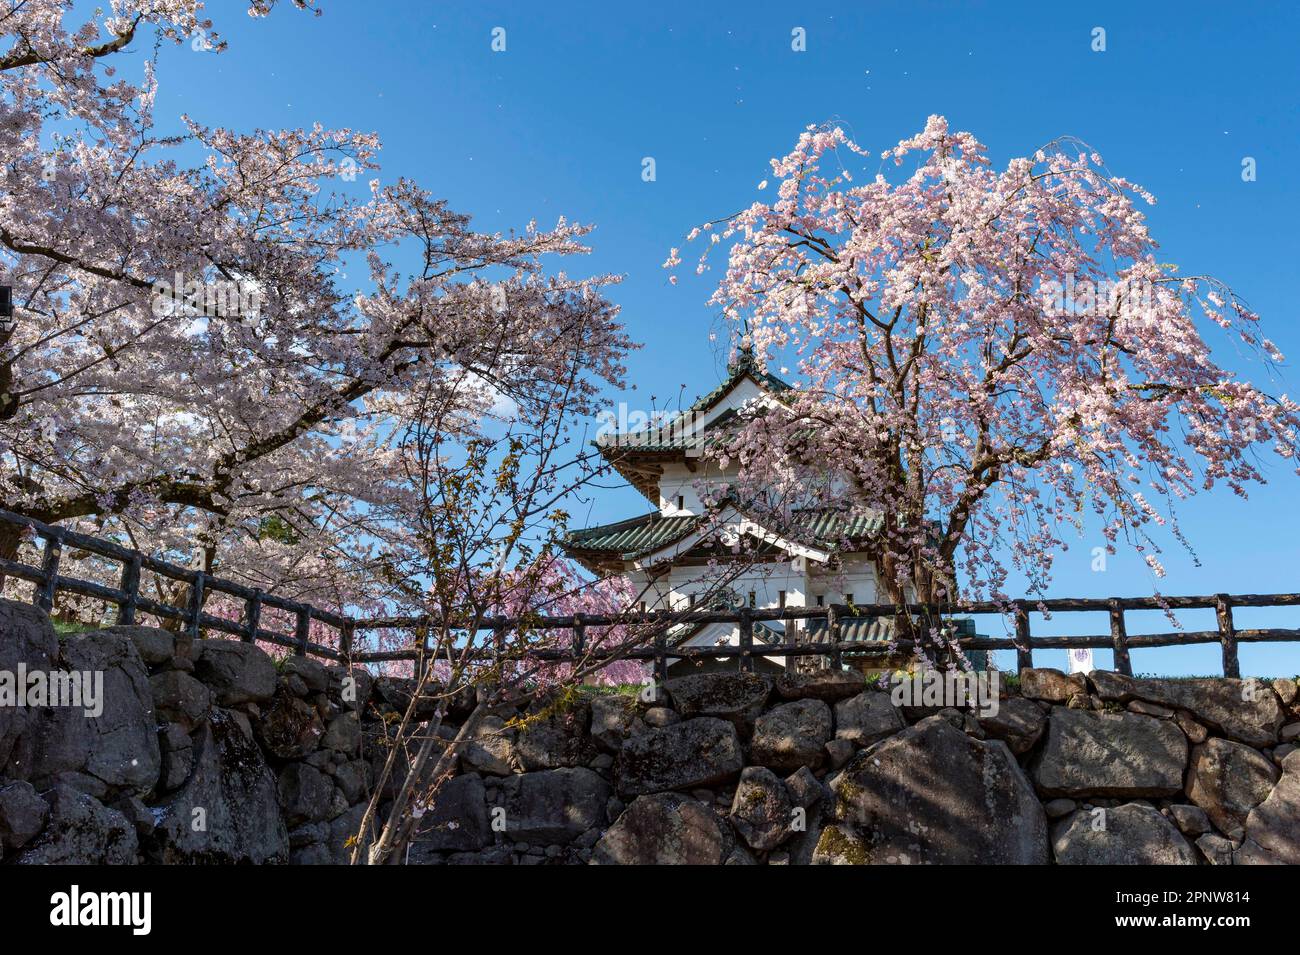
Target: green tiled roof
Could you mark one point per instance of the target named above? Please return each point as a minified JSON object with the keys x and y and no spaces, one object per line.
{"x":745,"y":365}
{"x":771,"y":635}
{"x":828,"y":526}
{"x":638,"y":535}
{"x":881,"y":630}
{"x":649,"y":532}
{"x":638,"y":455}
{"x":667,"y":438}
{"x":853,"y":630}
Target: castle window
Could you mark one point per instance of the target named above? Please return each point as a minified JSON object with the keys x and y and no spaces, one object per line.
{"x":821,"y":600}
{"x":753,"y":599}
{"x":781,"y":597}
{"x":681,"y":502}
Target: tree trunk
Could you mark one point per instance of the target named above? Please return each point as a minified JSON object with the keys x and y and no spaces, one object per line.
{"x":11,"y":538}
{"x":390,"y":847}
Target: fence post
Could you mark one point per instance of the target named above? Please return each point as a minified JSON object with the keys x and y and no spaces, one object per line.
{"x":421,"y":647}
{"x":302,"y":631}
{"x":746,"y":641}
{"x":252,"y":617}
{"x":1227,"y":636}
{"x":833,"y":635}
{"x":1119,"y":639}
{"x":499,"y":650}
{"x":44,"y":597}
{"x":196,"y":603}
{"x":579,"y":637}
{"x":1024,"y":646}
{"x":130,"y":586}
{"x":661,"y":661}
{"x":345,"y":641}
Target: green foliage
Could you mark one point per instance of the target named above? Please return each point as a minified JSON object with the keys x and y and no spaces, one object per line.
{"x":275,"y":528}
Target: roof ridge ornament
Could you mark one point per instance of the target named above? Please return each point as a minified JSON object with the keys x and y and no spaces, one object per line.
{"x":745,"y":358}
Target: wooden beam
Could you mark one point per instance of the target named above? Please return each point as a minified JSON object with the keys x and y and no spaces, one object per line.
{"x":1119,"y":639}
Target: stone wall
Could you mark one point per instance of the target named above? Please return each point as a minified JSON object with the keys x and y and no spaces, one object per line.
{"x":743,"y":769}
{"x":206,"y":751}
{"x":209,"y":751}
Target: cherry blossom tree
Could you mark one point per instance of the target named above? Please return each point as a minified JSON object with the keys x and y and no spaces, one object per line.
{"x":985,"y":356}
{"x":340,"y":393}
{"x":221,"y":338}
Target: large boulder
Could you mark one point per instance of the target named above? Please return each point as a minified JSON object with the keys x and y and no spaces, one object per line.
{"x":313,"y":675}
{"x":343,"y":734}
{"x":306,"y":794}
{"x":553,"y":741}
{"x":1018,"y":722}
{"x":1132,"y":834}
{"x":290,"y":728}
{"x":737,"y":698}
{"x":81,"y":831}
{"x":26,"y":637}
{"x":457,"y":820}
{"x":1228,"y":780}
{"x":761,"y":809}
{"x":1251,"y":852}
{"x":1216,"y":849}
{"x":119,"y":746}
{"x":179,"y":698}
{"x":1247,"y":711}
{"x":1190,"y":820}
{"x":555,"y":806}
{"x":157,"y":647}
{"x":1052,"y":686}
{"x":839,"y":844}
{"x":236,"y":672}
{"x":701,"y":752}
{"x":828,"y":685}
{"x":350,"y":688}
{"x":492,"y":748}
{"x":177,"y":756}
{"x":397,"y":691}
{"x":1275,"y":823}
{"x":792,"y":735}
{"x":1110,"y":754}
{"x":612,"y":720}
{"x":805,"y":788}
{"x":353,"y":779}
{"x":867,"y":717}
{"x":665,"y":829}
{"x":22,"y":815}
{"x":932,"y":794}
{"x":228,"y":811}
{"x":803,"y":844}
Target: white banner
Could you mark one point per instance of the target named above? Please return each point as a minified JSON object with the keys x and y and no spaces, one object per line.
{"x":1081,"y":660}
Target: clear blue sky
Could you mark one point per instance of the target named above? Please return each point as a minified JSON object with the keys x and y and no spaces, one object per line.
{"x":559,"y":123}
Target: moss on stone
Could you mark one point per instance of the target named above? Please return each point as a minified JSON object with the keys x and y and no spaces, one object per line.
{"x":836,"y":844}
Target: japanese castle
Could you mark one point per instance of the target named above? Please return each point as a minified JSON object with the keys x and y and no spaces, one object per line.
{"x":684,"y":552}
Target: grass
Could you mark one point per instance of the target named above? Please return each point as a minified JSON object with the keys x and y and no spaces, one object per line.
{"x":68,"y":628}
{"x":621,"y":689}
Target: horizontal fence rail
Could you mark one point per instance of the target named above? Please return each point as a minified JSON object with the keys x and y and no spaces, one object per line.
{"x":48,"y":582}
